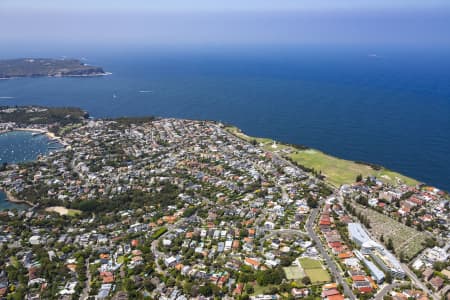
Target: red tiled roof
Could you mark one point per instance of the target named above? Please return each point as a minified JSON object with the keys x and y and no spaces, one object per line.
{"x":335,"y":244}
{"x":359,"y":278}
{"x":336,"y":297}
{"x":252,"y":262}
{"x":365,"y":289}
{"x":330,"y":292}
{"x":345,"y":255}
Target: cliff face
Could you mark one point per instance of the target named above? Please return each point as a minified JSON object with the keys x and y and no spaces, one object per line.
{"x":92,"y":71}
{"x":46,"y":67}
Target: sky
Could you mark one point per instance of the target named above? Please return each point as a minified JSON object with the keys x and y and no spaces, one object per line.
{"x":407,"y":23}
{"x":215,"y":5}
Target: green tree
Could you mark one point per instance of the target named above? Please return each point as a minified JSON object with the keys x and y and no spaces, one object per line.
{"x":206,"y":290}
{"x":408,"y":221}
{"x":249,"y":289}
{"x":306,"y":280}
{"x":390,"y":244}
{"x":388,"y":278}
{"x":359,"y":178}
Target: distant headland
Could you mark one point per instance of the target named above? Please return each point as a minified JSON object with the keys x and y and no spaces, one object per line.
{"x":46,"y":67}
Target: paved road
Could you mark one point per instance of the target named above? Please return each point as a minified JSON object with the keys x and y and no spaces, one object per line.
{"x":417,"y":282}
{"x":157,"y":255}
{"x":155,"y":243}
{"x":309,"y":226}
{"x":384,"y":291}
{"x":87,"y":288}
{"x":330,"y":262}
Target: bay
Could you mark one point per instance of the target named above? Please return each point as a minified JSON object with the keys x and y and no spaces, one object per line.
{"x":21,"y":146}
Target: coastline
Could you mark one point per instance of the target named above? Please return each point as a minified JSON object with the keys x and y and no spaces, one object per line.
{"x":287,"y":151}
{"x":58,"y":76}
{"x":49,"y":134}
{"x":337,"y":171}
{"x":87,"y":75}
{"x":13,"y":199}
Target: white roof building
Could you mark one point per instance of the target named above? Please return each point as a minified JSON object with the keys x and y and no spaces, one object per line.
{"x":386,"y":260}
{"x":357,"y":233}
{"x":35,"y":240}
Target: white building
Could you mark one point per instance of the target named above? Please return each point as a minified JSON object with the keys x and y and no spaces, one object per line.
{"x":386,"y":260}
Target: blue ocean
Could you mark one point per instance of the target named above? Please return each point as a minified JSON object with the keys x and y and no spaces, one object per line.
{"x":389,"y":107}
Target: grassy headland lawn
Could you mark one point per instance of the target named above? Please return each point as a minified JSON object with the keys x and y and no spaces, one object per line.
{"x":336,"y":171}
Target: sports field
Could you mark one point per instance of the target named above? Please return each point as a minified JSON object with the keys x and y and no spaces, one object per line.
{"x":294,"y":272}
{"x":314,"y":270}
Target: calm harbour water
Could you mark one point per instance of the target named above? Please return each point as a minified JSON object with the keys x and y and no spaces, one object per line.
{"x":20,"y":146}
{"x":392,"y":108}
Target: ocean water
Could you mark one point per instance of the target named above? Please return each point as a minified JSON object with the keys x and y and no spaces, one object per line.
{"x":390,"y":107}
{"x":20,"y":146}
{"x":5,"y":204}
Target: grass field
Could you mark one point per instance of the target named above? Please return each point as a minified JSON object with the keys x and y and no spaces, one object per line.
{"x":340,"y":171}
{"x":73,"y":212}
{"x":318,"y":275}
{"x":308,"y":263}
{"x":337,"y":171}
{"x":404,"y":238}
{"x":258,"y":290}
{"x":294,"y":273}
{"x":314,"y":270}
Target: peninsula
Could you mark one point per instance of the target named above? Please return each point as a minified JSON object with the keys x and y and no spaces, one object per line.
{"x":38,"y":67}
{"x":164,"y":208}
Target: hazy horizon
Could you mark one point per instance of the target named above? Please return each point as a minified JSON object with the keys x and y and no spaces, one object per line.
{"x":49,"y":23}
